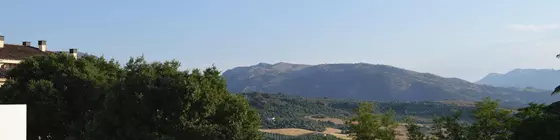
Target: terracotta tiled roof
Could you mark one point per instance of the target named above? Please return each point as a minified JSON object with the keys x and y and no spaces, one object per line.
{"x":19,"y":52}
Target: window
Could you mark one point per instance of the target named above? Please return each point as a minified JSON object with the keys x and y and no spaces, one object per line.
{"x":9,"y":66}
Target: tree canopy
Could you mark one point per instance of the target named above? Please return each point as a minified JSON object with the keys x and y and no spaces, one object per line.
{"x":94,"y":98}
{"x":368,"y":126}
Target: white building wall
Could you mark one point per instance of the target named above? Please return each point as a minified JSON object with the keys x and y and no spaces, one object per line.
{"x":7,"y":61}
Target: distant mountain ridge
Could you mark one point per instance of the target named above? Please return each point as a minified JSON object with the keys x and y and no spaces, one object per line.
{"x":364,"y":81}
{"x":80,"y":54}
{"x":546,"y":79}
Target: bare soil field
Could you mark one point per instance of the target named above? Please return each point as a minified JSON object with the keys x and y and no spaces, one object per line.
{"x":401,"y":130}
{"x":336,"y":132}
{"x":288,"y":131}
{"x":298,"y":132}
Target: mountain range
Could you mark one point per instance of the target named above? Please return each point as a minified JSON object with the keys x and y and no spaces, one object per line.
{"x":362,"y":81}
{"x":80,"y":54}
{"x":524,"y":78}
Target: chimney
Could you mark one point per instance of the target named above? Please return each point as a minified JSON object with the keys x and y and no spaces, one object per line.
{"x":1,"y":41}
{"x":42,"y":45}
{"x":74,"y":53}
{"x":26,"y":43}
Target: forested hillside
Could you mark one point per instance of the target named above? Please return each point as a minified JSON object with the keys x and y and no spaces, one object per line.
{"x":291,"y":111}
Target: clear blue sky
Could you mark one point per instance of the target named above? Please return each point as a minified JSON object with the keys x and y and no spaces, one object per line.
{"x":465,"y":39}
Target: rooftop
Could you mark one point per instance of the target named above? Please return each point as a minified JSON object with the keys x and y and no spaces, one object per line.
{"x":19,"y":52}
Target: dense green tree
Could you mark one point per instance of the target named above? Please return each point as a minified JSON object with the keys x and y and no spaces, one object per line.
{"x":91,"y":98}
{"x":157,"y":101}
{"x":492,"y":122}
{"x":365,"y":124}
{"x":413,"y":130}
{"x":449,"y":128}
{"x":388,"y":125}
{"x":61,"y":93}
{"x":537,"y":123}
{"x":532,"y":111}
{"x":368,"y":126}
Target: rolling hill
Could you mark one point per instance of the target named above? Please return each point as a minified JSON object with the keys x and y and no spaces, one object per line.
{"x":363,"y":81}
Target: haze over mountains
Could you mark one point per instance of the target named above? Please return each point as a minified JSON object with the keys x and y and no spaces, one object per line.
{"x":522,"y":78}
{"x":363,"y":81}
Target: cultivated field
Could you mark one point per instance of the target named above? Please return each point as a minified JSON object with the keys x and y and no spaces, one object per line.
{"x":401,"y":130}
{"x":288,"y":131}
{"x":299,"y":132}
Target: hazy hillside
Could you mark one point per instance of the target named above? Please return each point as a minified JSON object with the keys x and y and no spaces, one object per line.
{"x":521,"y":78}
{"x":366,"y":82}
